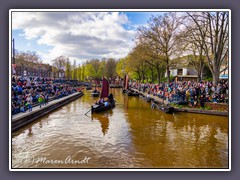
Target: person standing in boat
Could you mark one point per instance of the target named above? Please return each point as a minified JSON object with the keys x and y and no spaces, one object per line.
{"x":110,"y":98}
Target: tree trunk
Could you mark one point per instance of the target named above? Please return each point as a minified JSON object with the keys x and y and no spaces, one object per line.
{"x":143,"y":77}
{"x":159,"y":76}
{"x":215,"y":78}
{"x":199,"y":76}
{"x":139,"y":76}
{"x":152,"y":75}
{"x":168,"y":73}
{"x":215,"y":75}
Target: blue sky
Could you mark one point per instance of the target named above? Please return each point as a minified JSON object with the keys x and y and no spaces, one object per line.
{"x":140,"y":17}
{"x":77,"y":35}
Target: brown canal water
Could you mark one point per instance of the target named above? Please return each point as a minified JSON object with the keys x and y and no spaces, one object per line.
{"x":131,"y":135}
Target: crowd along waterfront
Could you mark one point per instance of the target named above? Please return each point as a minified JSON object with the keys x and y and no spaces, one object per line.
{"x":131,"y":135}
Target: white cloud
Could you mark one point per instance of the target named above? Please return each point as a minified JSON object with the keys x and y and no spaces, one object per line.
{"x":79,"y":35}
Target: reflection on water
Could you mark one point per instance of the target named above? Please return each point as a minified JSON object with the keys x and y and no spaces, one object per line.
{"x":131,"y":135}
{"x":103,"y":120}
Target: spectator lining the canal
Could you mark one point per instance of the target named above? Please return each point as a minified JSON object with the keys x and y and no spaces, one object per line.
{"x":29,"y":102}
{"x":221,"y":99}
{"x":22,"y":87}
{"x":181,"y":91}
{"x":40,"y":100}
{"x":202,"y":101}
{"x":46,"y":99}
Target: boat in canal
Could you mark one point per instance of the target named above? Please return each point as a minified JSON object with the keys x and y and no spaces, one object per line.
{"x":132,"y":93}
{"x":102,"y":104}
{"x":163,"y":108}
{"x":95,"y":93}
{"x":166,"y":108}
{"x":88,"y":88}
{"x":102,"y":107}
{"x":147,"y":98}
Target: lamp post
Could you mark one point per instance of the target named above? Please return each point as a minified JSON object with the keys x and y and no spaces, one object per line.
{"x":13,"y":51}
{"x":13,"y":57}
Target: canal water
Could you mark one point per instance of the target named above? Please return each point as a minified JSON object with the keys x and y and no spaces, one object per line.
{"x":131,"y":135}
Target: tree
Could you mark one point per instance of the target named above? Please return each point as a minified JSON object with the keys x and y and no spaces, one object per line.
{"x":162,"y":34}
{"x":68,"y":69}
{"x":54,"y":71}
{"x":110,"y":68}
{"x":153,"y":58}
{"x":193,"y":45}
{"x":197,"y":60}
{"x":121,"y":67}
{"x":27,"y":60}
{"x":137,"y":63}
{"x":59,"y":62}
{"x":79,"y":73}
{"x":214,"y":34}
{"x":102,"y":69}
{"x":90,"y":71}
{"x":29,"y":56}
{"x":74,"y":70}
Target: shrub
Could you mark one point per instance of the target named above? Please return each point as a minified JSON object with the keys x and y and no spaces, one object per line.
{"x":208,"y":107}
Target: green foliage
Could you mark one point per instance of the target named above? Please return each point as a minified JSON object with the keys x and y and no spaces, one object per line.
{"x":121,"y":67}
{"x":208,"y":107}
{"x":110,"y":68}
{"x":90,"y":71}
{"x":68,"y":69}
{"x":208,"y":79}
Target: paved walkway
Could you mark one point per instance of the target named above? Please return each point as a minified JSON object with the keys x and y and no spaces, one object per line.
{"x":154,"y":98}
{"x":37,"y":108}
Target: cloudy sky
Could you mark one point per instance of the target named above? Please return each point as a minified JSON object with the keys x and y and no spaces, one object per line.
{"x":77,"y":35}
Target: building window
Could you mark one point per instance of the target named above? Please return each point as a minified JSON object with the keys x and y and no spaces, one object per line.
{"x":179,"y":71}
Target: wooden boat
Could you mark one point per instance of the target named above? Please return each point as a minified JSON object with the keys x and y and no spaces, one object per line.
{"x":164,"y":108}
{"x":95,"y":93}
{"x":101,"y":107}
{"x":148,"y":99}
{"x":106,"y":104}
{"x":145,"y":98}
{"x":132,"y":93}
{"x":88,"y":88}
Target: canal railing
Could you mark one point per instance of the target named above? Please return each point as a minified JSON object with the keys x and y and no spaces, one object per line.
{"x":156,"y":99}
{"x":21,"y":119}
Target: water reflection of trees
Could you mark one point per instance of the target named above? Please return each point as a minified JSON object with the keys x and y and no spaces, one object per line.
{"x":179,"y":140}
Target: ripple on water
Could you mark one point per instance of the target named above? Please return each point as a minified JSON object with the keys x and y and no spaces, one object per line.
{"x":130,"y":135}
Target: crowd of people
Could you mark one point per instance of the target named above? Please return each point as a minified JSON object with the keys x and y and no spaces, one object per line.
{"x":27,"y":92}
{"x":187,"y":91}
